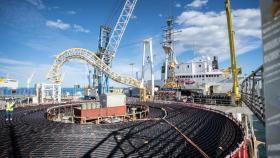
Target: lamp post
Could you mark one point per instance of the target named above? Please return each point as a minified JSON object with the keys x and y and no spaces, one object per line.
{"x":132,"y":64}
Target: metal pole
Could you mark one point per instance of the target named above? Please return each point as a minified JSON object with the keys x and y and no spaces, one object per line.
{"x":28,"y":93}
{"x":100,"y":79}
{"x":152,"y":68}
{"x":166,"y":68}
{"x":131,"y":64}
{"x":143,"y":63}
{"x":107,"y":84}
{"x":59,"y":93}
{"x":53,"y":95}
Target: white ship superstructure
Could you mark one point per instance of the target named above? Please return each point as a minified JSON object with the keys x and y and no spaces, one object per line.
{"x":202,"y":74}
{"x":200,"y":70}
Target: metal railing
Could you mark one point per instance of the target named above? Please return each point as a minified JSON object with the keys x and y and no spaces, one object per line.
{"x":252,"y":93}
{"x":212,"y":100}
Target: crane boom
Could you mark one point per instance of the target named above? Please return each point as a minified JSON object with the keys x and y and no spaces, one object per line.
{"x":234,"y":69}
{"x":118,"y":31}
{"x":30,"y":78}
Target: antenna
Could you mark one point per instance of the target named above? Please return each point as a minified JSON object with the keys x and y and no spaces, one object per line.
{"x":132,"y":64}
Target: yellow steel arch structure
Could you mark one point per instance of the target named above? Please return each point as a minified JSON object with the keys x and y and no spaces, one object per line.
{"x":54,"y":74}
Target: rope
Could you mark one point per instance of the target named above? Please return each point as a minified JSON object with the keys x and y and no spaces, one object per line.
{"x":186,"y":138}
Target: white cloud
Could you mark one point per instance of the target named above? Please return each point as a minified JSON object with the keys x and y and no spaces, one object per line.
{"x":197,"y":3}
{"x":133,"y":17}
{"x":160,"y":15}
{"x":71,"y":12}
{"x":177,"y":5}
{"x":21,"y":70}
{"x":37,"y":3}
{"x":79,"y":28}
{"x":74,"y":72}
{"x":59,"y":24}
{"x":13,"y":62}
{"x":207,"y":32}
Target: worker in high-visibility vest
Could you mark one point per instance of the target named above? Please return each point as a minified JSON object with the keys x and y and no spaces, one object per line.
{"x":9,"y":109}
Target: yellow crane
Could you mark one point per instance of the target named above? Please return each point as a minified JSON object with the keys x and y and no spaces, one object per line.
{"x":235,"y":91}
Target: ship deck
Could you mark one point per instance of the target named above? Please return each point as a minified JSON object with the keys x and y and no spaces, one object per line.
{"x":30,"y":134}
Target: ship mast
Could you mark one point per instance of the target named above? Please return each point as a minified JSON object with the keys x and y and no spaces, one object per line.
{"x":170,"y":63}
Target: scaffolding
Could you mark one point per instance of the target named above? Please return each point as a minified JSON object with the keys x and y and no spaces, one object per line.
{"x":48,"y":93}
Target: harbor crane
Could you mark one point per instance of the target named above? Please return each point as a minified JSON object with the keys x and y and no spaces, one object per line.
{"x":102,"y":61}
{"x":234,"y":70}
{"x":111,"y":44}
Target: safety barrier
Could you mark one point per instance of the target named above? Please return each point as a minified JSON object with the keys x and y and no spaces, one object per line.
{"x":252,"y":93}
{"x":212,"y":100}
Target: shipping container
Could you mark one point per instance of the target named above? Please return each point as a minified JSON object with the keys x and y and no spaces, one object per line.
{"x":100,"y":112}
{"x":112,"y":100}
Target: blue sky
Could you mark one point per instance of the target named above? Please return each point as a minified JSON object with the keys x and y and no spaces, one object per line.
{"x":33,"y":32}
